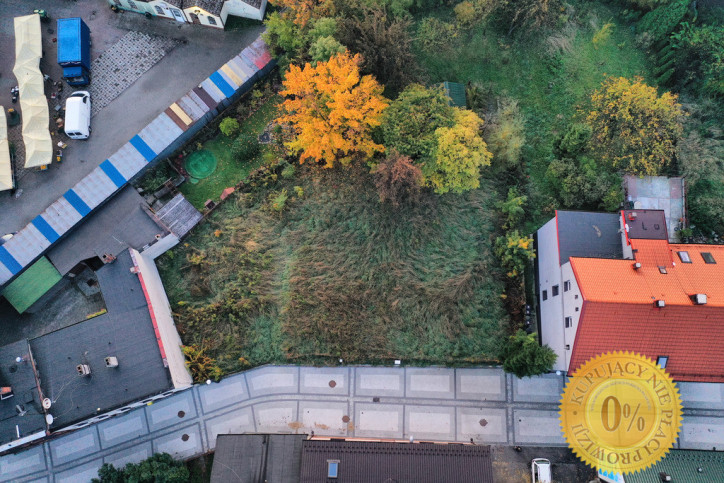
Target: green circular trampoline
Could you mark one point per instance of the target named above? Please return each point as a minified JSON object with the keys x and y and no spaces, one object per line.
{"x":201,"y":164}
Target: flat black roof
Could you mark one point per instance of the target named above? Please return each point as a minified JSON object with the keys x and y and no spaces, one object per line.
{"x":125,"y":331}
{"x":399,"y":462}
{"x":589,"y":235}
{"x":21,"y":378}
{"x":250,"y":458}
{"x":646,"y":224}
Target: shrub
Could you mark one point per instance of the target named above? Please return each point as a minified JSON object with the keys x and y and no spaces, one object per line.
{"x":299,"y":191}
{"x":603,"y":34}
{"x":434,"y":34}
{"x":229,"y":126}
{"x":325,"y":48}
{"x":505,"y":134}
{"x":161,"y":467}
{"x":202,"y":367}
{"x":288,"y":171}
{"x":245,"y":147}
{"x":573,"y":142}
{"x":397,"y":179}
{"x":583,"y":184}
{"x":512,"y":209}
{"x":523,"y":356}
{"x":465,"y":14}
{"x":278,"y":201}
{"x":514,"y":252}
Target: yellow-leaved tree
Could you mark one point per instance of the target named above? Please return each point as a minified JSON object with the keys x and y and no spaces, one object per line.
{"x":633,"y":128}
{"x":332,"y":109}
{"x":302,"y":11}
{"x":458,"y":156}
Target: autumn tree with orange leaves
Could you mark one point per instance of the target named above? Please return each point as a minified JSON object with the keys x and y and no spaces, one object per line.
{"x":332,"y":109}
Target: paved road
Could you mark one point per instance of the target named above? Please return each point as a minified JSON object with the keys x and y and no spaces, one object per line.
{"x":174,"y":75}
{"x":484,"y":405}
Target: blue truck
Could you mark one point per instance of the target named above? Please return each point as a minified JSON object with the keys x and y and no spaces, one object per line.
{"x":74,"y":50}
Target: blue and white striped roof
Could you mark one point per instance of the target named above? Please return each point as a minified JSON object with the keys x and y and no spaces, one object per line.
{"x":132,"y":158}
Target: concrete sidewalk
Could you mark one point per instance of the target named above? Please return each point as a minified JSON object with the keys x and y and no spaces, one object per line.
{"x":482,"y":405}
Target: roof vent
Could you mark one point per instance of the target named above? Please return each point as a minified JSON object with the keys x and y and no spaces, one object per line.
{"x":660,"y":304}
{"x":664,"y":476}
{"x":83,"y":369}
{"x":111,"y":361}
{"x":47,"y":403}
{"x":699,"y":298}
{"x":636,"y":266}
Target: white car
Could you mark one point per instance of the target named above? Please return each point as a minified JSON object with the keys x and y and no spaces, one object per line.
{"x":540,"y":470}
{"x":77,"y":115}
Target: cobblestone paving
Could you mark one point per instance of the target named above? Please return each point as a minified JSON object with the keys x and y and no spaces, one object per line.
{"x":121,"y":65}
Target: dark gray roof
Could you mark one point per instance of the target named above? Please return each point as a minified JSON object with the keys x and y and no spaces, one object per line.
{"x":122,"y":222}
{"x":589,"y":235}
{"x":251,"y":458}
{"x":400,"y":462}
{"x":125,"y":331}
{"x":212,"y":6}
{"x":646,"y":224}
{"x":21,"y":378}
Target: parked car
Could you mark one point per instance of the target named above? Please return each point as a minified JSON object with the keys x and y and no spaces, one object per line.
{"x":77,"y":115}
{"x":541,"y":470}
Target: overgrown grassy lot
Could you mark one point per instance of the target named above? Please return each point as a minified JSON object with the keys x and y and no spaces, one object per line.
{"x":230,"y":171}
{"x":337,"y":274}
{"x":311,"y":267}
{"x":550,"y":73}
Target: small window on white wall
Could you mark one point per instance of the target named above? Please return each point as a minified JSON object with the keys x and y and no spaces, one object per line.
{"x":568,"y":347}
{"x":566,"y":285}
{"x":555,"y":290}
{"x":569,"y":322}
{"x":545,"y":294}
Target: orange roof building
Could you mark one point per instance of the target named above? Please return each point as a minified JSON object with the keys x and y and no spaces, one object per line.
{"x":659,"y":299}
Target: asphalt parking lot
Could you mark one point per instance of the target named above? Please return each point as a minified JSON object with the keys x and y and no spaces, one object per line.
{"x":198,"y":52}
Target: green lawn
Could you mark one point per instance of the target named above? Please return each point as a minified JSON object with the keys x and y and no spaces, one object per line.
{"x":340,"y":275}
{"x":230,"y":171}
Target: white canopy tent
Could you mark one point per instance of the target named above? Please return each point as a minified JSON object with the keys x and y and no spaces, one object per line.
{"x":6,"y":169}
{"x":33,"y":104}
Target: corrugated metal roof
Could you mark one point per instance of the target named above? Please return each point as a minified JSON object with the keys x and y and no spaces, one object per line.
{"x":683,"y":467}
{"x":456,"y":93}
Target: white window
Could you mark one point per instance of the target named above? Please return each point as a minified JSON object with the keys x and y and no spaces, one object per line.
{"x":545,"y":294}
{"x":568,"y":347}
{"x":662,"y":361}
{"x":566,"y":285}
{"x":569,"y":322}
{"x":554,"y":290}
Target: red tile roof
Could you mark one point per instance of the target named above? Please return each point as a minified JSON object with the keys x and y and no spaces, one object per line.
{"x":692,"y":337}
{"x":619,"y":314}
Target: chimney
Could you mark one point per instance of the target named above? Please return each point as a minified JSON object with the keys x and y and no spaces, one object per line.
{"x":659,"y":304}
{"x":636,"y":266}
{"x":699,"y":299}
{"x":83,"y":369}
{"x":111,"y":361}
